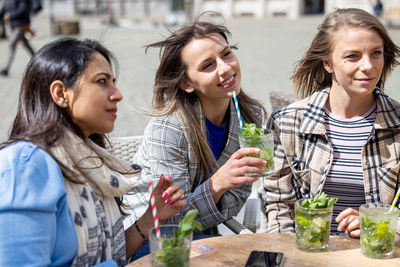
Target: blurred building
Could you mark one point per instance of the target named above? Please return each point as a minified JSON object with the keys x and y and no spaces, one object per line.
{"x":227,"y":8}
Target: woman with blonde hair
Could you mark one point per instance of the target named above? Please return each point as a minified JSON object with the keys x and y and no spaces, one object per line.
{"x":193,"y":135}
{"x":343,"y":138}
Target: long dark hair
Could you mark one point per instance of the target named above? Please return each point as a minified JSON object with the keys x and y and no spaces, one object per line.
{"x":168,"y":98}
{"x":39,"y":119}
{"x":310,"y":74}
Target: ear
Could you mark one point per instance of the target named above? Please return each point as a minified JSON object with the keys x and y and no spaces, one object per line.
{"x":327,"y":66}
{"x":186,"y":86}
{"x":59,"y":94}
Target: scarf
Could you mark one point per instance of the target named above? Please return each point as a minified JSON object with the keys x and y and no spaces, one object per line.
{"x":95,"y":214}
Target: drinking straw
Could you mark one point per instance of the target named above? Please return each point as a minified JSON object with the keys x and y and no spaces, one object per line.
{"x":154,"y":210}
{"x":237,"y":109}
{"x":395,"y":200}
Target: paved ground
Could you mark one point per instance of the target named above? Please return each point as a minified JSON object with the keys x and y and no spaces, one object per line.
{"x":267,"y":52}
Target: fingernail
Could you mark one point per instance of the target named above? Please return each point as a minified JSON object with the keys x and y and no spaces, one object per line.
{"x":167,"y":201}
{"x":172,"y":203}
{"x":165,"y":194}
{"x":169,"y":178}
{"x":257,"y":150}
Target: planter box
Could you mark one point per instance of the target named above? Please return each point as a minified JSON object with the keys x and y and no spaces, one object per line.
{"x":67,"y":27}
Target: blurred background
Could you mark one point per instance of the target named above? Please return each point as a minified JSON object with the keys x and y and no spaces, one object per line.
{"x":271,"y":35}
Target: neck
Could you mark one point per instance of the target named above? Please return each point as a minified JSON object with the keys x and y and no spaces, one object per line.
{"x":215,"y":112}
{"x":346,"y":105}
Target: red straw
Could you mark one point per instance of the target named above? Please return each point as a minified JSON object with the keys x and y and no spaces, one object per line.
{"x":154,"y":209}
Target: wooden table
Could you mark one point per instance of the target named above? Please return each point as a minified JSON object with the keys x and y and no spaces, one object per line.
{"x":233,"y":250}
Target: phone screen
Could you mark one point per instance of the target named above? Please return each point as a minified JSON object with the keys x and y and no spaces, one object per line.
{"x":264,"y":259}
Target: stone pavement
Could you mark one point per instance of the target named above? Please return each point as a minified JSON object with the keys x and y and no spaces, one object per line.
{"x":268,"y":50}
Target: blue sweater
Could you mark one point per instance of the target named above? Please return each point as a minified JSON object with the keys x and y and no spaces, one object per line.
{"x":36,"y":228}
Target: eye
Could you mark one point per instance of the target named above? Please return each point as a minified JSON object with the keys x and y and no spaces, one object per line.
{"x":101,"y":81}
{"x":377,"y":53}
{"x":206,"y":66}
{"x":227,"y":53}
{"x":351,"y":56}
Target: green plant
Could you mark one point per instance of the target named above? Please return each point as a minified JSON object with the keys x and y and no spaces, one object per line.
{"x":313,"y":221}
{"x":319,"y":201}
{"x":174,"y":252}
{"x":252,"y":134}
{"x":377,"y":238}
{"x":254,"y":137}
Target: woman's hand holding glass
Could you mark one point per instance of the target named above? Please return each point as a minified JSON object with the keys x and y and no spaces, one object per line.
{"x":232,"y":173}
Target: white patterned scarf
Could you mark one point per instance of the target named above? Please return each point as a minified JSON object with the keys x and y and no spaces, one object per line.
{"x":97,"y":219}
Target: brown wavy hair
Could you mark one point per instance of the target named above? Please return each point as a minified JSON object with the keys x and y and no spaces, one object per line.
{"x":310,"y":74}
{"x":168,"y":98}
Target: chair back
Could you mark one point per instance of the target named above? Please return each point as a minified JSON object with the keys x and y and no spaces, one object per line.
{"x":125,"y":147}
{"x":280,"y":100}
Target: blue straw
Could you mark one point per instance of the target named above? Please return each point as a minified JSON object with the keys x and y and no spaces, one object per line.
{"x":237,"y":109}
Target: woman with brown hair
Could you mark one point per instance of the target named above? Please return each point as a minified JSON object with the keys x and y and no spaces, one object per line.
{"x":193,"y":135}
{"x":343,"y":138}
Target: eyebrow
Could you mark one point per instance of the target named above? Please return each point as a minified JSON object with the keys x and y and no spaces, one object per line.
{"x":103,"y":73}
{"x":376,"y":47}
{"x":222,"y":51}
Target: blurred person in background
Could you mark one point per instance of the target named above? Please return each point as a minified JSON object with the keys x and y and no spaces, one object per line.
{"x":17,"y":13}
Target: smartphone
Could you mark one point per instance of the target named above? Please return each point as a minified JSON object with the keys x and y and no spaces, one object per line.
{"x":264,"y":259}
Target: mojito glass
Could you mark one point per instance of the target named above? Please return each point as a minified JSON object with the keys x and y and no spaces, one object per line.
{"x":265,"y":142}
{"x":167,"y":251}
{"x":313,"y":227}
{"x":378,"y":230}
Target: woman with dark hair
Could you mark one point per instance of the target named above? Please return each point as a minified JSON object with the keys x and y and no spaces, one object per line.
{"x":193,"y":135}
{"x":343,"y":138}
{"x":61,"y":190}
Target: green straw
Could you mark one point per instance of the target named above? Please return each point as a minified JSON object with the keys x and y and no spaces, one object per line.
{"x":395,"y":200}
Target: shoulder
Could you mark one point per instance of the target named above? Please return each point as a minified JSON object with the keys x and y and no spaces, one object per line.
{"x":162,"y":126}
{"x":386,"y":101}
{"x":165,"y":132}
{"x":29,"y":177}
{"x":295,"y":110}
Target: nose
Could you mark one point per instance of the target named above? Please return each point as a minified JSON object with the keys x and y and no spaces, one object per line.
{"x":223,"y":67}
{"x":116,"y":95}
{"x":366,"y":63}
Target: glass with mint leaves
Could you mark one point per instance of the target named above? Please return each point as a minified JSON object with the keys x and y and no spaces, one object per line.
{"x":251,"y":136}
{"x":173,"y":248}
{"x":378,"y":230}
{"x":313,"y":222}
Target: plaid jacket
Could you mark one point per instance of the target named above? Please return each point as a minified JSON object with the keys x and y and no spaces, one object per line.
{"x":303,"y":156}
{"x":165,"y":150}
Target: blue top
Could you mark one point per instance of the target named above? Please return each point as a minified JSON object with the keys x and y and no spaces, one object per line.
{"x":35,"y":226}
{"x":216,"y":136}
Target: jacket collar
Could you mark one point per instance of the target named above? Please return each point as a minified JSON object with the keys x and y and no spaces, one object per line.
{"x":314,"y":116}
{"x":387,"y":113}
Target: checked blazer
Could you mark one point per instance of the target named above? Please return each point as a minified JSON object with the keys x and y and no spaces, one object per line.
{"x":165,"y":150}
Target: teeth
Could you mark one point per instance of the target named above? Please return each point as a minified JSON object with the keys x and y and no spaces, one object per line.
{"x":228,"y":81}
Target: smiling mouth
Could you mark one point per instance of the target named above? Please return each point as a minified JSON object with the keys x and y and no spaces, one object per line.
{"x":365,"y":79}
{"x":228,"y":83}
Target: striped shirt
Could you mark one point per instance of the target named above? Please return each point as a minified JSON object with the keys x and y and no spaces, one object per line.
{"x":345,"y":178}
